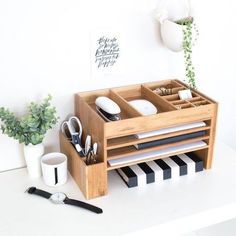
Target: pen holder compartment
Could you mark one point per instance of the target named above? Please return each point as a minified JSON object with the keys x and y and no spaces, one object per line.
{"x":92,"y":179}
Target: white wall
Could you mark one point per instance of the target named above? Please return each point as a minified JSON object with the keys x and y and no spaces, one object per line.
{"x":215,"y":60}
{"x":45,"y":48}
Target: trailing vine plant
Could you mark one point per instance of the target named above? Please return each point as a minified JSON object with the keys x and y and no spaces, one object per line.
{"x":190,"y":34}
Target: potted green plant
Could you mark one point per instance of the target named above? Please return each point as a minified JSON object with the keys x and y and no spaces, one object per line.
{"x":30,"y":130}
{"x":181,"y":35}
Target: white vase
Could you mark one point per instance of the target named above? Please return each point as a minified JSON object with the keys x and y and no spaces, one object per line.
{"x":172,"y":35}
{"x":33,"y":154}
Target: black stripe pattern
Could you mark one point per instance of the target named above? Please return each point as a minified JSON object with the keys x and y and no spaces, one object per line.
{"x":166,"y":169}
{"x":182,"y":165}
{"x":127,"y":174}
{"x":199,"y":163}
{"x":149,"y":173}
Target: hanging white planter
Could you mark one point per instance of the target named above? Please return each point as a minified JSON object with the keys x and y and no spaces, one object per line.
{"x":33,"y":154}
{"x":172,"y":35}
{"x":167,"y":14}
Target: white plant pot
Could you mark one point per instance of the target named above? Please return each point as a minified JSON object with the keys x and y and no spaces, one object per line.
{"x":33,"y":154}
{"x":172,"y":35}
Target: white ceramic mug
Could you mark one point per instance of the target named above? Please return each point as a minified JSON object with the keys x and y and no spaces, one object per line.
{"x":54,"y":168}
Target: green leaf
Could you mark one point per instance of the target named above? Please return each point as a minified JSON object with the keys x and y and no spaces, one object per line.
{"x":32,"y":127}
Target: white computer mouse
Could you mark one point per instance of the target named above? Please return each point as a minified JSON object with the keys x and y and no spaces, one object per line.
{"x":145,"y":107}
{"x":107,"y":105}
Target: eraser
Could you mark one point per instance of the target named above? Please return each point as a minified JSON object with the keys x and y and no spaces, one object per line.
{"x":185,"y":94}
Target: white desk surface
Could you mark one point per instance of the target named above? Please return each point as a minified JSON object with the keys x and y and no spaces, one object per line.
{"x":172,"y":206}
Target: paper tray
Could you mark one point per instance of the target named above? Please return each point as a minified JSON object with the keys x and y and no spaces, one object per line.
{"x":156,"y":153}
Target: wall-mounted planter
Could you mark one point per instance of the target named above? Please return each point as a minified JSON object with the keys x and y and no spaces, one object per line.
{"x":172,"y":35}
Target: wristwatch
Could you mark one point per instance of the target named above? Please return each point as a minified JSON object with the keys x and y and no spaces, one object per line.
{"x":61,"y":198}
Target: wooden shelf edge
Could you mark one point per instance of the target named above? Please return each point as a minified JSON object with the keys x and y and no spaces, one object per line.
{"x":154,"y":158}
{"x":132,"y":151}
{"x":131,"y":140}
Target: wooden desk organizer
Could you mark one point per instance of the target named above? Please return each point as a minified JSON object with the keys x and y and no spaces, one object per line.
{"x":116,"y":139}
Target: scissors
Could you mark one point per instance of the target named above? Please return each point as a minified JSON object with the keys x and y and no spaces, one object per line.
{"x":73,"y":130}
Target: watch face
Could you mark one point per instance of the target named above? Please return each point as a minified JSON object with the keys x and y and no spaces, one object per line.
{"x":58,"y":198}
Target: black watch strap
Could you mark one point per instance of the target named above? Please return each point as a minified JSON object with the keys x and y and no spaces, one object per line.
{"x":83,"y":205}
{"x":39,"y":192}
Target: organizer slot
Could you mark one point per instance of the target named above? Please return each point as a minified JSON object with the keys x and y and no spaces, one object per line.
{"x":171,"y":97}
{"x":184,"y":106}
{"x":154,"y":155}
{"x":208,"y":122}
{"x":174,"y":98}
{"x":84,"y":175}
{"x":90,"y":97}
{"x":167,"y":84}
{"x":124,"y":104}
{"x":177,"y":102}
{"x":187,"y":104}
{"x":176,"y":90}
{"x":132,"y":140}
{"x":68,"y":145}
{"x":191,"y":100}
{"x":195,"y":99}
{"x":196,"y":104}
{"x":157,"y":99}
{"x":123,"y":114}
{"x":133,"y":93}
{"x":179,"y":83}
{"x":196,"y":93}
{"x":205,"y":98}
{"x":126,"y":110}
{"x":141,"y":92}
{"x":174,"y":94}
{"x":131,"y":150}
{"x":129,"y":93}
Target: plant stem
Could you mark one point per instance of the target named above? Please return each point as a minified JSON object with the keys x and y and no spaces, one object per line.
{"x":188,"y":42}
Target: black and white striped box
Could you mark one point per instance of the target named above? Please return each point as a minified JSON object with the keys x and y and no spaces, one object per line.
{"x":158,"y":170}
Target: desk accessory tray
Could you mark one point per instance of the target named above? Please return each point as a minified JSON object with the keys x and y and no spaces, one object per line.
{"x":116,"y":139}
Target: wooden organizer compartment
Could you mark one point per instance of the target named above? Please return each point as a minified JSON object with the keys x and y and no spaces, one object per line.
{"x":130,"y":93}
{"x":92,"y":179}
{"x":116,"y":139}
{"x":198,"y":99}
{"x":126,"y":110}
{"x":122,"y":147}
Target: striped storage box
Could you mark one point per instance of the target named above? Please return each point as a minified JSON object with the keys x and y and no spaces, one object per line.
{"x":161,"y":169}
